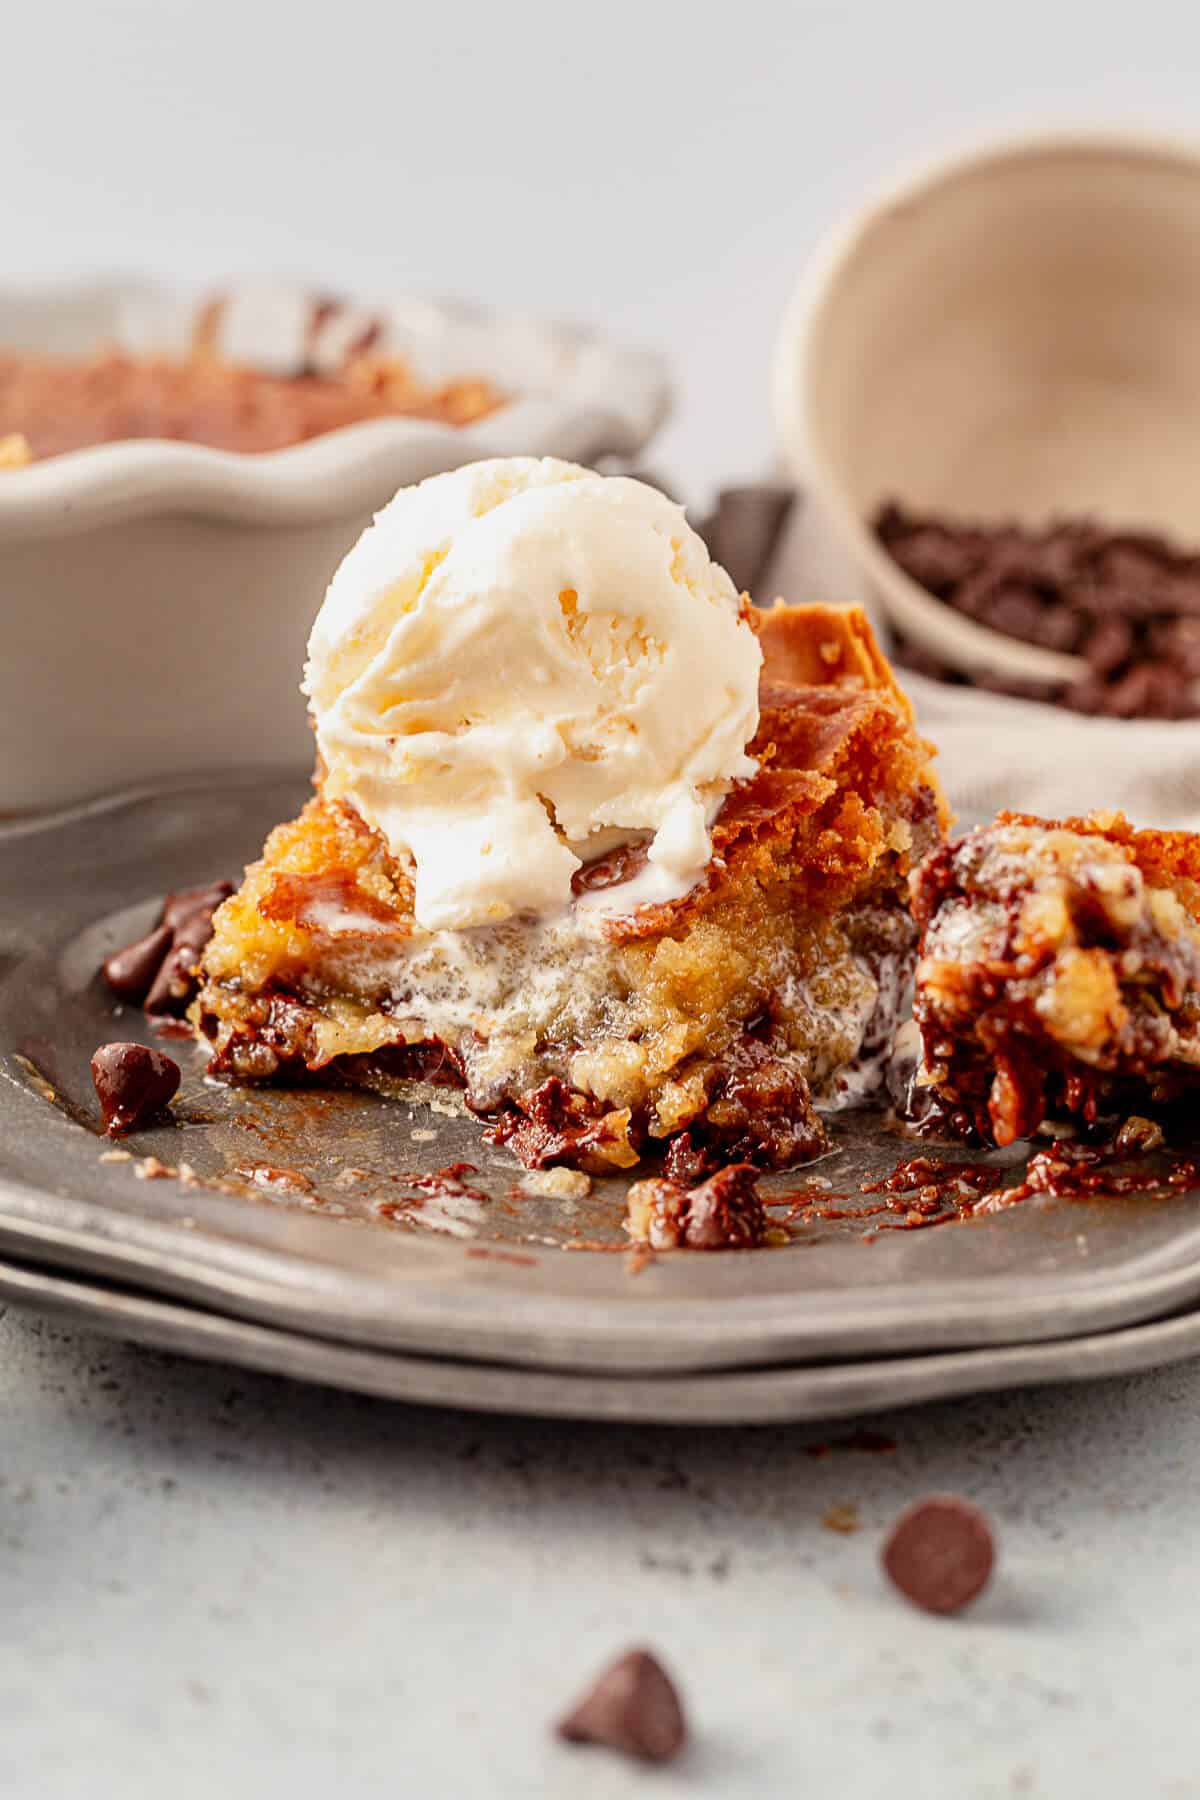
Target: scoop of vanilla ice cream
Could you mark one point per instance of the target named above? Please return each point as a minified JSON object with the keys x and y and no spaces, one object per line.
{"x":521,"y":664}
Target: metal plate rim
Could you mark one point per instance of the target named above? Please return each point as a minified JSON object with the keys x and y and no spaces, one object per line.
{"x":778,"y":1395}
{"x":297,"y":1273}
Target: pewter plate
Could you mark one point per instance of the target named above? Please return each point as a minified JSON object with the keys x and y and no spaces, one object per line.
{"x":722,"y":1397}
{"x":289,"y":1239}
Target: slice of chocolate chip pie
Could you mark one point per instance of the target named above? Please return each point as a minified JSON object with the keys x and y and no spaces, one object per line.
{"x":708,"y":1020}
{"x":1059,"y":973}
{"x":712,"y":971}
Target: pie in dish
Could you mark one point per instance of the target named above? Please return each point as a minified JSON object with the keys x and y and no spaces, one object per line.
{"x":329,"y":368}
{"x":715,"y":1022}
{"x":1059,"y":973}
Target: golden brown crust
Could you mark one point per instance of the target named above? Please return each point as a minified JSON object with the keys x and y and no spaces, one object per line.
{"x":824,"y":646}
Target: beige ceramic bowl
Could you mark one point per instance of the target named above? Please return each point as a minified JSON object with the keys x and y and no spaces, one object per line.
{"x":1015,"y":333}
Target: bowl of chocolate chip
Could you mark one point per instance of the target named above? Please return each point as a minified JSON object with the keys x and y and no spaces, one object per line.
{"x":988,"y":383}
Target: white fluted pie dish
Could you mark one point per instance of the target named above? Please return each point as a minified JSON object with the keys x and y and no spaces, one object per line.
{"x":156,"y":595}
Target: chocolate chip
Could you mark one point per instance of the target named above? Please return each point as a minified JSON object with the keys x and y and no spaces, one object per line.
{"x":1053,"y":561}
{"x":725,"y":1212}
{"x":1129,"y":602}
{"x":937,"y":557}
{"x":1147,"y":690}
{"x":195,"y":931}
{"x":132,"y":1084}
{"x":1177,"y":641}
{"x":1181,"y":594}
{"x":722,"y":1213}
{"x":633,"y":1707}
{"x":1016,"y":611}
{"x":175,"y":982}
{"x":976,"y":595}
{"x":940,"y":1553}
{"x":1109,"y":644}
{"x":1131,"y":563}
{"x":1061,"y":628}
{"x":611,"y":870}
{"x":1169,"y":696}
{"x":180,"y":906}
{"x":1086,"y":696}
{"x":130,"y":972}
{"x":158,"y":969}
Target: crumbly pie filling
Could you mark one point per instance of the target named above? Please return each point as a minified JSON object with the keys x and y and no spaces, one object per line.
{"x":1059,"y":973}
{"x":717,"y":1024}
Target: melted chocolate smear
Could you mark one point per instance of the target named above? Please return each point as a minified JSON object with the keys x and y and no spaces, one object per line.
{"x":922,"y":1191}
{"x":443,"y":1184}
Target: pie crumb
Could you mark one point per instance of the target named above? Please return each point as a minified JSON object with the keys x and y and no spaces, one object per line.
{"x":15,"y":452}
{"x":560,"y":1184}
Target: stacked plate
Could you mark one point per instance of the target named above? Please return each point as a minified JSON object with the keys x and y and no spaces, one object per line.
{"x":309,"y":1233}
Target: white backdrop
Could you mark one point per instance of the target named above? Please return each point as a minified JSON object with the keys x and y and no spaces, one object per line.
{"x":661,"y":168}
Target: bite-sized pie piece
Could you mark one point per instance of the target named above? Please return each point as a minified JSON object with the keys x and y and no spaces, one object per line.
{"x":625,"y":864}
{"x":1059,"y":973}
{"x":722,"y":1213}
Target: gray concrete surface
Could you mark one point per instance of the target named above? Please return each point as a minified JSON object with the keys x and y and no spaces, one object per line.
{"x":220,"y":1584}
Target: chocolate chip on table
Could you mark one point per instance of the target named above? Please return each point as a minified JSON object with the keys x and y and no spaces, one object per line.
{"x":132,"y":1084}
{"x":130,"y":972}
{"x":940,"y":1553}
{"x":633,"y":1707}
